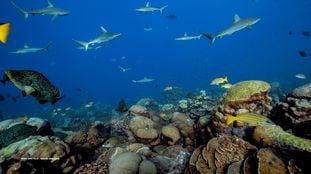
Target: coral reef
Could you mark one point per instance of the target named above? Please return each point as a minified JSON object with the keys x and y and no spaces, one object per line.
{"x":295,"y":112}
{"x":275,"y":136}
{"x":172,"y":164}
{"x":139,"y":110}
{"x":83,"y":143}
{"x":218,"y":154}
{"x":268,"y":162}
{"x":244,"y":97}
{"x":38,"y":153}
{"x":143,"y":129}
{"x":172,"y":133}
{"x":149,"y":103}
{"x":92,"y":169}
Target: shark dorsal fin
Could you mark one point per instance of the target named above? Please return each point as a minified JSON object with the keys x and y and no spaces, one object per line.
{"x":103,"y":29}
{"x":147,"y":5}
{"x":236,"y":18}
{"x":50,"y":4}
{"x":185,"y":34}
{"x":26,"y":45}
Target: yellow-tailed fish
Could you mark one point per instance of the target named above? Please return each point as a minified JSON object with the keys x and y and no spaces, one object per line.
{"x":250,"y":119}
{"x":4,"y":31}
{"x":220,"y":80}
{"x":226,"y":86}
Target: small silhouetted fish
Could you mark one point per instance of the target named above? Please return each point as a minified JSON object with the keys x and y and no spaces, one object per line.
{"x":2,"y":97}
{"x":122,"y":107}
{"x":305,"y":33}
{"x":190,"y":95}
{"x":302,"y":53}
{"x":156,"y":86}
{"x":14,"y":99}
{"x":290,"y":32}
{"x":171,"y":17}
{"x":78,"y":89}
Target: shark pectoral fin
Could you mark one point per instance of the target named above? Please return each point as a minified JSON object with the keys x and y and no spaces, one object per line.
{"x":162,"y":8}
{"x":54,"y":17}
{"x":28,"y":90}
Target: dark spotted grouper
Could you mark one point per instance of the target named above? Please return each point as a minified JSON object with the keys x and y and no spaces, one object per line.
{"x":33,"y":83}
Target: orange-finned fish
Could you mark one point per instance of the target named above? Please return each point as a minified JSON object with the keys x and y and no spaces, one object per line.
{"x":250,"y":119}
{"x":4,"y":31}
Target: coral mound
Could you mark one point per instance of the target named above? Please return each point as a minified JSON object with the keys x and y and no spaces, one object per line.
{"x":218,"y":154}
{"x":245,"y":90}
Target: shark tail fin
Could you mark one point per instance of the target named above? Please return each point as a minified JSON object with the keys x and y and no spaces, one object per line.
{"x":47,"y":46}
{"x":162,"y":8}
{"x":26,"y":14}
{"x":134,"y":81}
{"x":85,"y":45}
{"x":210,"y":37}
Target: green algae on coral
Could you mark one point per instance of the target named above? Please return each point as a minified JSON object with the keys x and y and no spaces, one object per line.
{"x":243,"y":90}
{"x":275,"y":136}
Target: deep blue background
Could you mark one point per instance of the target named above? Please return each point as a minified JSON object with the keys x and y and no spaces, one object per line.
{"x":266,"y":52}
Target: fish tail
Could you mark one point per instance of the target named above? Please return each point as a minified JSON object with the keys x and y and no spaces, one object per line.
{"x":85,"y":45}
{"x":162,"y":8}
{"x":56,"y":99}
{"x":210,"y":37}
{"x":226,"y":79}
{"x":47,"y":46}
{"x":4,"y":32}
{"x":21,"y":10}
{"x":230,"y":119}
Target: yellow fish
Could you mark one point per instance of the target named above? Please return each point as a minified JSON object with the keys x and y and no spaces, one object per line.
{"x":250,"y":119}
{"x":226,"y":86}
{"x":4,"y":31}
{"x":220,"y":80}
{"x":112,"y":142}
{"x":168,"y":88}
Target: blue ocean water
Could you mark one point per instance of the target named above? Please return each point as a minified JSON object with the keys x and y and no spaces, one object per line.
{"x":267,"y":52}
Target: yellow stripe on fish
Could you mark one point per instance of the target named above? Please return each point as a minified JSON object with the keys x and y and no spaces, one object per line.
{"x":250,"y":119}
{"x":4,"y":31}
